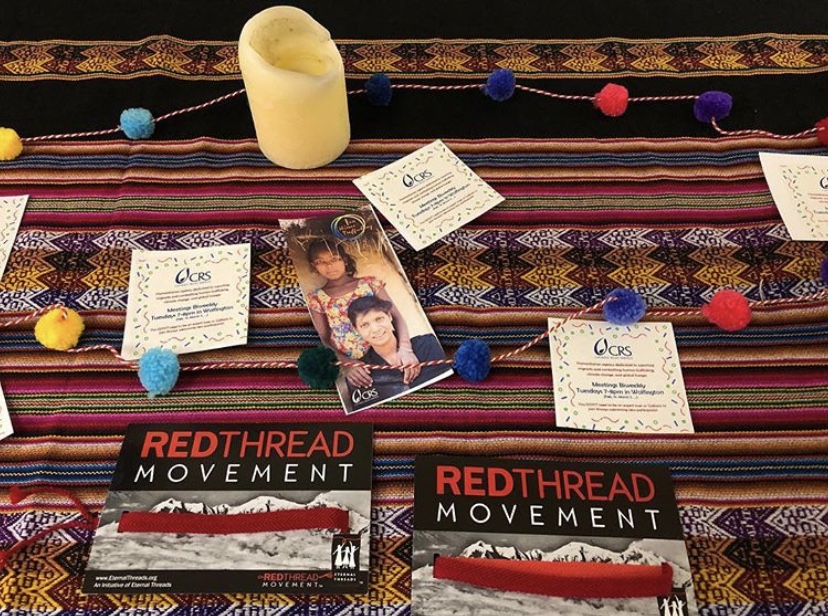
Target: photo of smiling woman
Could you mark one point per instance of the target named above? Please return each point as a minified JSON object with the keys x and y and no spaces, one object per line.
{"x":343,"y":260}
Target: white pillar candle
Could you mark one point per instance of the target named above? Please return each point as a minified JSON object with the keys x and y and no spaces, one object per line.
{"x":295,"y":84}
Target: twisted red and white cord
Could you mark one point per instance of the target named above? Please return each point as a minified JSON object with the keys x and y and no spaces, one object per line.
{"x":117,"y":129}
{"x":438,"y":88}
{"x":755,"y":132}
{"x":33,"y":315}
{"x":281,"y":364}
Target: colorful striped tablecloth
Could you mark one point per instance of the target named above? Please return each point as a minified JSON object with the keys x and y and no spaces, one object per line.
{"x":674,"y":212}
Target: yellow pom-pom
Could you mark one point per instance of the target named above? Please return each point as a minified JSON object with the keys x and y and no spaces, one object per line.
{"x":10,"y":144}
{"x":59,"y":329}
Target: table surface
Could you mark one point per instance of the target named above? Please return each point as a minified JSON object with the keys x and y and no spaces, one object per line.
{"x":653,"y":200}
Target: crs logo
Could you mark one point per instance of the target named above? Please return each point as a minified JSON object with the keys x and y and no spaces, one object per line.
{"x":410,"y":180}
{"x":823,"y":183}
{"x":364,"y":395}
{"x":602,"y":347}
{"x":186,"y":276}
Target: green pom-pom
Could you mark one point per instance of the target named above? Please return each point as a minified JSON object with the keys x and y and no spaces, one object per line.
{"x":316,"y":367}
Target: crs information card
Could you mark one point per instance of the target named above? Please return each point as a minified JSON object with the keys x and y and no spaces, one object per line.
{"x":428,"y":194}
{"x":618,"y":378}
{"x":187,"y":300}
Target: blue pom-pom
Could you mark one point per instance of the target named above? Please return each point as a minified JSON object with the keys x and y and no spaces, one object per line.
{"x":137,"y":123}
{"x":317,"y":367}
{"x":627,"y":308}
{"x":824,"y":271}
{"x":712,"y":104}
{"x":158,"y":371}
{"x":473,"y":360}
{"x":378,"y":89}
{"x":500,"y":85}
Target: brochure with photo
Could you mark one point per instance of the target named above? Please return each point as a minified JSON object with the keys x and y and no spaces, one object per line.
{"x":234,"y":508}
{"x":363,"y":306}
{"x":528,"y":537}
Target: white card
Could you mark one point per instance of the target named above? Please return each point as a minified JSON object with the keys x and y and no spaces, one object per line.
{"x":428,"y":194}
{"x":618,"y":378}
{"x":11,"y":212}
{"x":799,"y":186}
{"x":6,"y":428}
{"x":187,"y":300}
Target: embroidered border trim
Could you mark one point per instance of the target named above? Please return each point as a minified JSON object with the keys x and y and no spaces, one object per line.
{"x":753,"y":54}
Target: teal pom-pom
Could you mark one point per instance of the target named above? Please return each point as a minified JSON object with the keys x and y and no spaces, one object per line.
{"x":627,"y":308}
{"x":378,"y":89}
{"x":137,"y":123}
{"x":316,"y":367}
{"x":500,"y":85}
{"x":158,"y":371}
{"x":473,"y":360}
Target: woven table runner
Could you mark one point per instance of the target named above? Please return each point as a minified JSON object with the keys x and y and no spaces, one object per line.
{"x":654,"y":201}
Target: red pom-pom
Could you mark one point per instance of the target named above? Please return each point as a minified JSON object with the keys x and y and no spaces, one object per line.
{"x":17,"y":494}
{"x":612,"y":100}
{"x":728,"y":309}
{"x":822,"y":131}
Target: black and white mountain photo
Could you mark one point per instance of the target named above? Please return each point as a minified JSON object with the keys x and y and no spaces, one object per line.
{"x":438,"y":597}
{"x":285,"y":550}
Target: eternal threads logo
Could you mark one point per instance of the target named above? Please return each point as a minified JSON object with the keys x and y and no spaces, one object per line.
{"x":674,"y":605}
{"x":345,"y":557}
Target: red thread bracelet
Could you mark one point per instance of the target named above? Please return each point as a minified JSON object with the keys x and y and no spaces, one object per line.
{"x":257,"y":522}
{"x":580,"y":580}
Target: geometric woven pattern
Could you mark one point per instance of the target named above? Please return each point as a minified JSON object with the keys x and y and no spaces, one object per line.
{"x":753,"y":502}
{"x":173,"y":57}
{"x":545,"y":267}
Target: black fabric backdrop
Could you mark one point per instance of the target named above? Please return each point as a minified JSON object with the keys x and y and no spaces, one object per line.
{"x":780,"y":103}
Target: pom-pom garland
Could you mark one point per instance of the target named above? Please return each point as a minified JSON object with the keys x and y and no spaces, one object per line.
{"x":728,"y":309}
{"x":158,"y":371}
{"x":612,"y":100}
{"x":712,"y":105}
{"x":137,"y":123}
{"x":473,"y":360}
{"x":822,"y":131}
{"x":624,"y":307}
{"x":317,"y":367}
{"x":500,"y":85}
{"x":378,"y":90}
{"x":59,"y":329}
{"x":10,"y":144}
